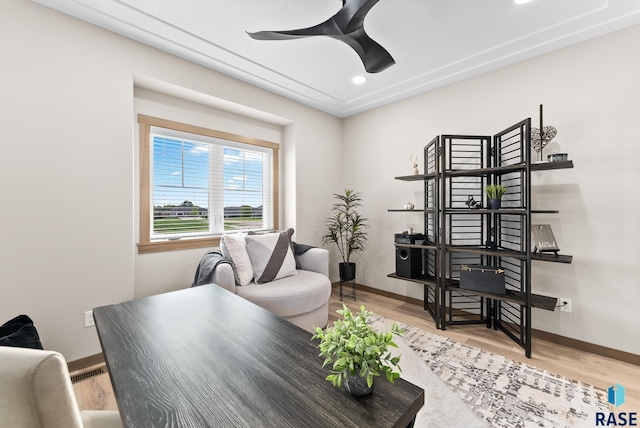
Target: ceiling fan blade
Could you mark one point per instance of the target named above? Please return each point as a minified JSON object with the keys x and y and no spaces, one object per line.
{"x":347,"y":25}
{"x":351,"y":16}
{"x":327,"y":28}
{"x":374,"y":57}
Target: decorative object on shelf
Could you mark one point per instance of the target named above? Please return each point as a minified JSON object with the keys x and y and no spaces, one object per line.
{"x":414,"y":162}
{"x":472,"y":203}
{"x":410,"y":230}
{"x":540,"y":137}
{"x":408,"y":262}
{"x":409,"y":259}
{"x":347,"y":25}
{"x":558,"y":157}
{"x":346,"y":228}
{"x":495,"y":192}
{"x":406,"y":238}
{"x":489,"y":279}
{"x":543,"y":239}
{"x":409,"y":206}
{"x":357,"y":352}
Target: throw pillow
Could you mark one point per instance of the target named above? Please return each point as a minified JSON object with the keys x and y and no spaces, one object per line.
{"x":233,"y":247}
{"x":20,"y":332}
{"x":271,"y":256}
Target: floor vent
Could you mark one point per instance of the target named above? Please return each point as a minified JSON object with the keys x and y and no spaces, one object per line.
{"x":88,"y":374}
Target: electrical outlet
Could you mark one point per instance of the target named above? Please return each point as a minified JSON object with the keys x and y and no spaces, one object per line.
{"x":88,"y":319}
{"x":565,"y":304}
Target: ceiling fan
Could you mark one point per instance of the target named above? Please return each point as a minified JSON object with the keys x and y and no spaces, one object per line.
{"x":347,"y":25}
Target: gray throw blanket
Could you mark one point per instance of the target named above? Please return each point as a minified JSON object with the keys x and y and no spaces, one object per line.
{"x":299,"y":249}
{"x":207,"y":267}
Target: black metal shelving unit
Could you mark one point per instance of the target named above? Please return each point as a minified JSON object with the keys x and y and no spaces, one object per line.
{"x":459,"y":166}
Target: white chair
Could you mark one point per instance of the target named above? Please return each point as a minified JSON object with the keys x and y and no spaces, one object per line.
{"x":301,"y":299}
{"x":36,"y":392}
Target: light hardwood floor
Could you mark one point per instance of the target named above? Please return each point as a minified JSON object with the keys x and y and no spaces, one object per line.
{"x":96,"y":393}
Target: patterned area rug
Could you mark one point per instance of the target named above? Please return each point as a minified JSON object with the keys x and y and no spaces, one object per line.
{"x":502,"y":392}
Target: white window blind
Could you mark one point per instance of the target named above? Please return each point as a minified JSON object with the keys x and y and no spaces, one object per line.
{"x":203,"y":186}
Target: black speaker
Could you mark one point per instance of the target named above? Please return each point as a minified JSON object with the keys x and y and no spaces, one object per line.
{"x":408,"y":262}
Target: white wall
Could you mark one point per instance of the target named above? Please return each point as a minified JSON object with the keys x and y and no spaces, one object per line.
{"x":591,"y":95}
{"x":68,"y":168}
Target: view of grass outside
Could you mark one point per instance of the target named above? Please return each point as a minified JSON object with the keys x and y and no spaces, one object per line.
{"x":242,"y":223}
{"x":190,"y":224}
{"x":180,"y":225}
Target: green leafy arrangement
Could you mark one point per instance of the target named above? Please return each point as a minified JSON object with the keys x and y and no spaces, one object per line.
{"x":346,"y":227}
{"x":355,"y":348}
{"x":495,"y":191}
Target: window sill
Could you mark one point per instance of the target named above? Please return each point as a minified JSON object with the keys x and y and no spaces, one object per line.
{"x":181,"y":244}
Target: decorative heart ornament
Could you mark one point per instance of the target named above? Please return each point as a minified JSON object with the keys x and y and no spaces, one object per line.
{"x":539,"y":142}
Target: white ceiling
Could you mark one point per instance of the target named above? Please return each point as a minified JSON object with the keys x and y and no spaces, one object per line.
{"x":434,"y":42}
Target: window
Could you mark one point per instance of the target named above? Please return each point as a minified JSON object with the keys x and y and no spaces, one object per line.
{"x":198,"y":183}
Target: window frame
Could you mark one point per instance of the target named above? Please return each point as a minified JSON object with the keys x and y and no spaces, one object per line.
{"x":145,"y":244}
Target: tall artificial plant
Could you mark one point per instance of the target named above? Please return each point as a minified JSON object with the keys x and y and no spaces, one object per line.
{"x":346,"y":227}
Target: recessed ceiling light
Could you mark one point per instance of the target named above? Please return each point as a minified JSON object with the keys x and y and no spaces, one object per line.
{"x":521,"y":1}
{"x":359,"y":80}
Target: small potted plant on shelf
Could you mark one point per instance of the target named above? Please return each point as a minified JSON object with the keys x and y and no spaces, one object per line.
{"x":346,"y":228}
{"x":357,"y":352}
{"x":494,"y":195}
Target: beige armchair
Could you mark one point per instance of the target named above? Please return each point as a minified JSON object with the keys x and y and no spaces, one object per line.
{"x":36,"y":392}
{"x":302,"y":299}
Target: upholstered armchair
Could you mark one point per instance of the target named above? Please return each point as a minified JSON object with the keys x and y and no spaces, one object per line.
{"x":302,"y":299}
{"x":264,"y":270}
{"x":36,"y":392}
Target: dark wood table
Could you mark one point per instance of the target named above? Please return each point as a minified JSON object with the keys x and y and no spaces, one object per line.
{"x":204,"y":357}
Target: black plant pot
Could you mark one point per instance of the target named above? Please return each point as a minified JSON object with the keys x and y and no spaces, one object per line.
{"x":347,"y":271}
{"x":357,"y":386}
{"x":495,"y":204}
